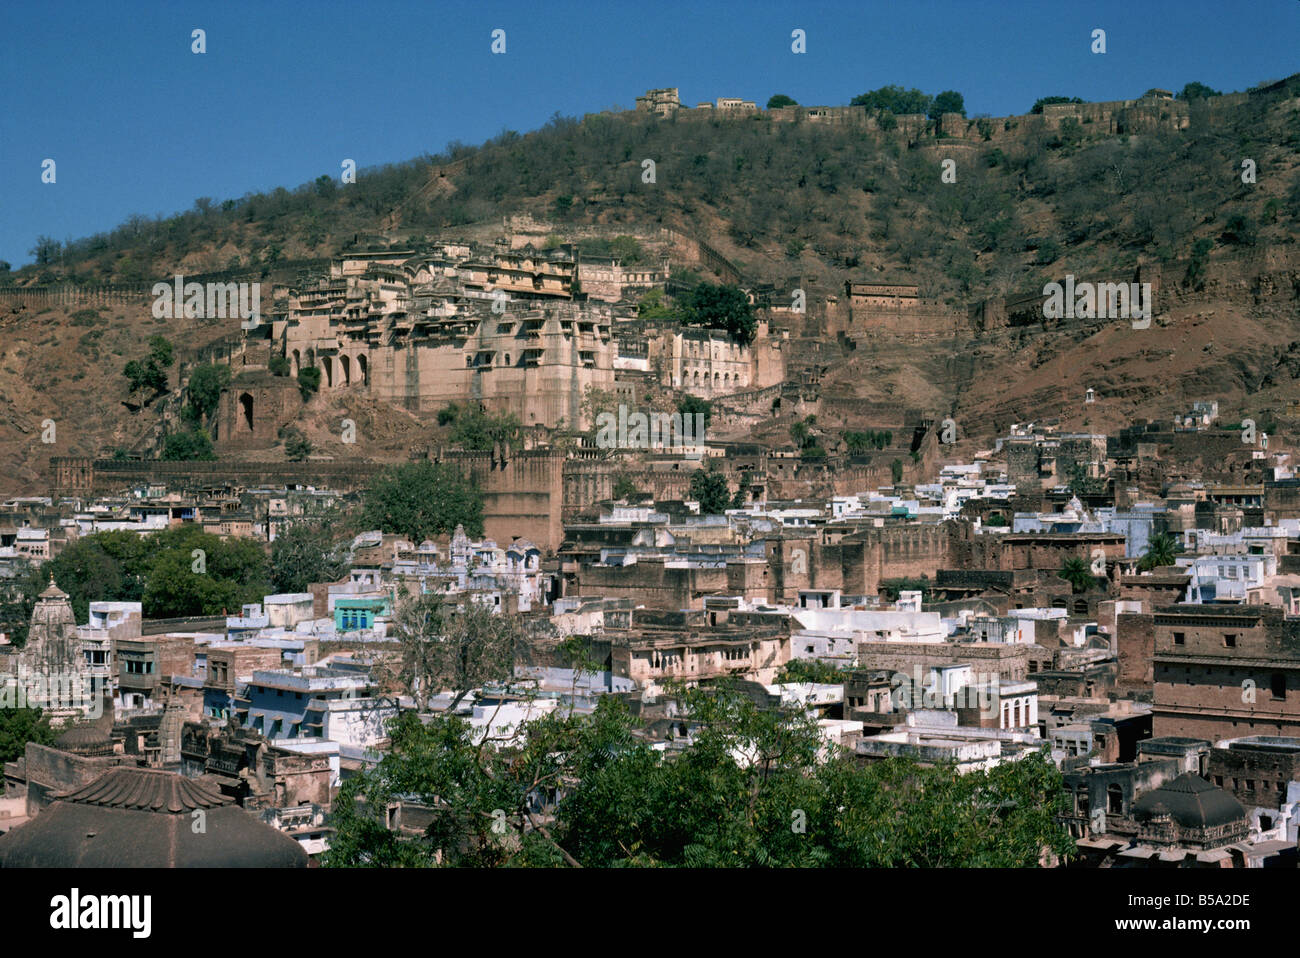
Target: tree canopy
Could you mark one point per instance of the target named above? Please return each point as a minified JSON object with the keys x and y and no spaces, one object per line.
{"x":894,"y":99}
{"x":720,"y":307}
{"x":750,"y":789}
{"x":420,"y":500}
{"x":709,"y":488}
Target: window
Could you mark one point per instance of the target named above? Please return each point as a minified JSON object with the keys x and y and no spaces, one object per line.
{"x":1114,"y":799}
{"x":1179,"y":638}
{"x":1229,"y":640}
{"x":1278,"y":685}
{"x":1218,"y":780}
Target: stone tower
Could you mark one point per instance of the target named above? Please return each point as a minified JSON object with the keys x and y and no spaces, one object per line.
{"x":52,"y":668}
{"x":52,"y":643}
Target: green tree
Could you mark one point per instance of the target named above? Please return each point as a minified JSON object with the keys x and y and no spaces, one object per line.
{"x":709,"y":489}
{"x":1078,"y":573}
{"x":192,"y":572}
{"x":721,"y":307}
{"x":949,"y":101}
{"x":894,"y":99}
{"x":305,"y":553}
{"x":780,"y":100}
{"x":691,"y":405}
{"x":750,"y":789}
{"x":203,"y":391}
{"x":654,"y":305}
{"x":18,"y":726}
{"x":297,"y":446}
{"x":811,"y":670}
{"x":1161,"y":551}
{"x":420,"y":500}
{"x":308,"y":381}
{"x":193,"y":445}
{"x":150,"y":374}
{"x":476,"y":430}
{"x":896,"y":471}
{"x":1197,"y":91}
{"x":625,"y":487}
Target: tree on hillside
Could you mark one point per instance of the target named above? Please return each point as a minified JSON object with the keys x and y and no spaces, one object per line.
{"x":420,"y":500}
{"x":308,"y":381}
{"x":150,"y":374}
{"x":709,"y":489}
{"x":894,"y":99}
{"x":191,"y":445}
{"x":721,"y":307}
{"x":203,"y":391}
{"x":46,"y":251}
{"x":949,"y":101}
{"x":1197,"y":91}
{"x":690,"y":405}
{"x":780,"y":100}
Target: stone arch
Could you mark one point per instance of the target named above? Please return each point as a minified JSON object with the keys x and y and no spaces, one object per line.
{"x":327,"y":365}
{"x":246,"y":409}
{"x":297,"y":362}
{"x":345,"y":367}
{"x":363,"y":368}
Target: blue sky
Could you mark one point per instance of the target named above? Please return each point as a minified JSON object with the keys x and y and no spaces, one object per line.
{"x":137,"y":123}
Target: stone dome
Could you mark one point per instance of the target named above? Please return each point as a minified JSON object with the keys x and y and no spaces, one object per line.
{"x":85,"y":739}
{"x":1191,"y":802}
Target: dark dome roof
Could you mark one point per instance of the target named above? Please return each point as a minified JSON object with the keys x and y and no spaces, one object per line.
{"x":1192,"y":802}
{"x":143,"y":818}
{"x":84,"y":740}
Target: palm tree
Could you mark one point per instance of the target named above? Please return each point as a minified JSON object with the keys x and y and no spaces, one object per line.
{"x":1161,"y":549}
{"x":1078,"y":573}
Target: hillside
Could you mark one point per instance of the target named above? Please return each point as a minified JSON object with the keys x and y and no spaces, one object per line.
{"x":1034,"y":199}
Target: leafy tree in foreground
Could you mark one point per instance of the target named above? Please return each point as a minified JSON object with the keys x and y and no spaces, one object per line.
{"x":749,"y":790}
{"x":420,"y":500}
{"x":20,"y":726}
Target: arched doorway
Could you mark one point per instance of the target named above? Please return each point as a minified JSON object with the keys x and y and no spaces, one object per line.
{"x":297,"y":362}
{"x":328,"y":366}
{"x":246,"y":407}
{"x":345,"y":365}
{"x":365,"y":370}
